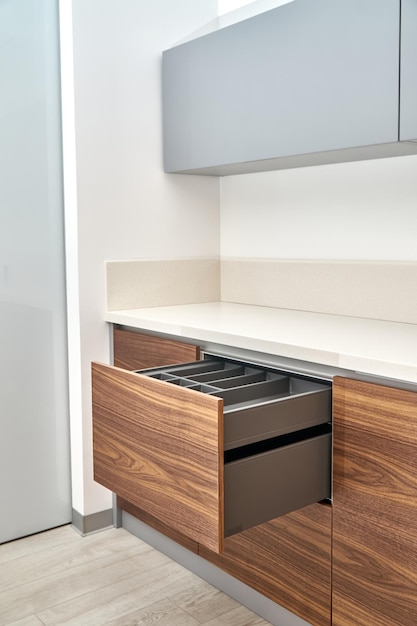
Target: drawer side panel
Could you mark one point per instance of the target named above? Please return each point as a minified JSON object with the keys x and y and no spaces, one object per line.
{"x":160,"y":447}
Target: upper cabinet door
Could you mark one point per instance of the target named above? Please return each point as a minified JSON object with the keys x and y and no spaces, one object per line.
{"x":306,"y":77}
{"x":408,"y":85}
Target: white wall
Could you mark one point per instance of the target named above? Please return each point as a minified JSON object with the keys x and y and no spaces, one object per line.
{"x":127,"y":207}
{"x":362,"y":210}
{"x":225,"y":6}
{"x":232,"y":11}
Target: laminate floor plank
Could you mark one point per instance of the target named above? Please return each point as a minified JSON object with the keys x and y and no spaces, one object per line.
{"x":63,"y":557}
{"x":205,"y":602}
{"x":75,"y":608}
{"x":240,"y":616}
{"x":32,"y":597}
{"x":32,"y":620}
{"x":144,"y":589}
{"x":37,"y":543}
{"x":59,"y":578}
{"x":162,"y":613}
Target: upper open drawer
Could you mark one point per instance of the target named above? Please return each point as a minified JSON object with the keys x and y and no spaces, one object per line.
{"x":259,"y":403}
{"x":212,"y":447}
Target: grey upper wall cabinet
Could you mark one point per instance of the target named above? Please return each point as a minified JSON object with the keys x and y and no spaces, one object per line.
{"x":302,"y":84}
{"x":408,"y":91}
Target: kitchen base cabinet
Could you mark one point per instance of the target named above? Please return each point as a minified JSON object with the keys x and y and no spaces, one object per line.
{"x":352,"y":563}
{"x":374,"y":505}
{"x":214,"y":446}
{"x":288,"y":560}
{"x":159,"y":446}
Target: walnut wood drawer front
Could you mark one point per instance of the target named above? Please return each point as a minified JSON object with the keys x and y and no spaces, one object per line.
{"x":212,"y":447}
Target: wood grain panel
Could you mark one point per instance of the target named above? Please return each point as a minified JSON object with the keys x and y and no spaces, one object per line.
{"x":288,"y":560}
{"x":376,"y":409}
{"x":374,"y":503}
{"x":160,"y":446}
{"x":135,"y":351}
{"x":375,"y":567}
{"x":375,"y":453}
{"x":348,"y":612}
{"x":150,"y":520}
{"x":377,"y":478}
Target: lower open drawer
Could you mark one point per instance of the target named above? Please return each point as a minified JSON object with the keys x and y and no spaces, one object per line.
{"x":214,"y":446}
{"x":261,"y":487}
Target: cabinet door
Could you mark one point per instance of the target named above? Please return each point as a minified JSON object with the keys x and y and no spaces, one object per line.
{"x":408,"y":93}
{"x":306,"y":77}
{"x":288,"y":560}
{"x":374,"y":505}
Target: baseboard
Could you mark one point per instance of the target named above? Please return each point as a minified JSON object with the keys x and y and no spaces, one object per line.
{"x":87,"y":524}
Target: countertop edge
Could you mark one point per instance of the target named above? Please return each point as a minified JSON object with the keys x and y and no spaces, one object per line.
{"x":382,"y":349}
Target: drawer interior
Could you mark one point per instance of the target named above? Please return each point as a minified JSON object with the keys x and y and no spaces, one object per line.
{"x":238,"y":384}
{"x":260,"y":403}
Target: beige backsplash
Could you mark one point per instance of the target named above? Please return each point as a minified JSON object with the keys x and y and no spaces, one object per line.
{"x":149,"y":283}
{"x":372,"y":289}
{"x":385,"y":290}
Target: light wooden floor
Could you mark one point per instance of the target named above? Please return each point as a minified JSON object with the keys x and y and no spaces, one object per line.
{"x":111,"y":577}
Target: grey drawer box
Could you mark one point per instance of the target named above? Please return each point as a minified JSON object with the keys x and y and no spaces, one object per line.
{"x":277,"y":436}
{"x":261,"y":487}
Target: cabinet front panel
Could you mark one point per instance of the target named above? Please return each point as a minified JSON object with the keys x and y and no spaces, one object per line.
{"x":135,"y":351}
{"x":374,"y":504}
{"x":375,"y":452}
{"x":288,"y":560}
{"x":161,"y":449}
{"x":347,"y":612}
{"x":375,"y":567}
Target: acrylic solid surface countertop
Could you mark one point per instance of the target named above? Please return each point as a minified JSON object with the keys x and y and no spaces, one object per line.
{"x":380,"y":348}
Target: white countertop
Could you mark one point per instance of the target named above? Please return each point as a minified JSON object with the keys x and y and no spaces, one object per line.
{"x":373,"y":347}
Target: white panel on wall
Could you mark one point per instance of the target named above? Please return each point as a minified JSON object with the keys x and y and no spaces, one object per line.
{"x":362,"y":210}
{"x":34,"y":421}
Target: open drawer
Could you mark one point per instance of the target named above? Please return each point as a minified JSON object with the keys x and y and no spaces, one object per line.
{"x":214,"y":446}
